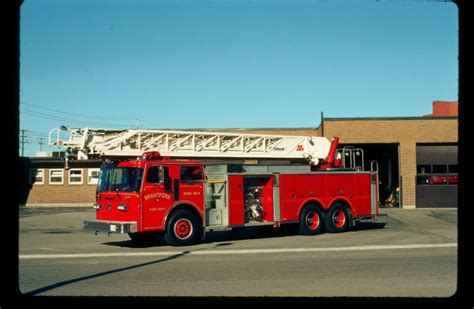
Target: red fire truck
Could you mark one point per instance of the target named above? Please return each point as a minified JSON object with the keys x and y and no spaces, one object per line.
{"x":185,"y":198}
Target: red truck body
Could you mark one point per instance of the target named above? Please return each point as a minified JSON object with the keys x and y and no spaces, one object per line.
{"x":184,"y":198}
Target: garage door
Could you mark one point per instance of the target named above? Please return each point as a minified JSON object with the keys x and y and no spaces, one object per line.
{"x":437,"y":176}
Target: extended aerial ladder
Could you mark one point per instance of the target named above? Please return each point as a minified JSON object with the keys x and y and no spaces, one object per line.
{"x":88,"y":143}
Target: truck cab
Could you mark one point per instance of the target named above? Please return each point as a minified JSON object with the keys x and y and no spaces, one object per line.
{"x":139,"y":197}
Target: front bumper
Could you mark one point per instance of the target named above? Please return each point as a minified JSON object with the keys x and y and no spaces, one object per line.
{"x":110,"y":226}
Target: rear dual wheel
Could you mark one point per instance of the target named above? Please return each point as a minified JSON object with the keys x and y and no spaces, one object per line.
{"x":311,"y":220}
{"x":337,"y":219}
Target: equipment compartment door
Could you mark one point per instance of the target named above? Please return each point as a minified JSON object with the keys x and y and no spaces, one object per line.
{"x":236,"y":200}
{"x":362,"y":196}
{"x":288,"y":209}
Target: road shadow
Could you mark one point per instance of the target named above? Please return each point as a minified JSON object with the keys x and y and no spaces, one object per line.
{"x":215,"y":236}
{"x":367,"y":225}
{"x":101,"y":274}
{"x":109,"y":272}
{"x":250,"y":233}
{"x":143,"y":240}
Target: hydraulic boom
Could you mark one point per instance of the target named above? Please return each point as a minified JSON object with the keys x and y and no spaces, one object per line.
{"x":87,"y":143}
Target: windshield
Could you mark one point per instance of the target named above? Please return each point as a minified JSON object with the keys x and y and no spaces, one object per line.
{"x":120,"y":179}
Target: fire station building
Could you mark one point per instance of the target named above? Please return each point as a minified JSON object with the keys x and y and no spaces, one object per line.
{"x":417,"y":160}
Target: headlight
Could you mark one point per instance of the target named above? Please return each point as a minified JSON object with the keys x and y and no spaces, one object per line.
{"x":122,"y":207}
{"x":97,"y":206}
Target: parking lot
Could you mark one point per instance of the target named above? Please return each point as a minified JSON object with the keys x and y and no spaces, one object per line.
{"x":404,"y":253}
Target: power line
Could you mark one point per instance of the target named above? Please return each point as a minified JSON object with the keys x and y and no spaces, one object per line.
{"x":78,"y":115}
{"x":75,"y":114}
{"x":69,"y":120}
{"x":30,"y":140}
{"x":33,"y":134}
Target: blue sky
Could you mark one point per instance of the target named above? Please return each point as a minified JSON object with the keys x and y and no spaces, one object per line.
{"x":230,"y":64}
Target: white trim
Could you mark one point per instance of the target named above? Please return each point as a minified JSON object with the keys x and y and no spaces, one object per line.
{"x":55,"y":170}
{"x":75,"y":183}
{"x":36,"y":171}
{"x":239,"y":251}
{"x":89,"y":176}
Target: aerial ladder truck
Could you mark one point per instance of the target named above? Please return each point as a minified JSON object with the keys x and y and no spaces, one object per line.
{"x":165,"y":182}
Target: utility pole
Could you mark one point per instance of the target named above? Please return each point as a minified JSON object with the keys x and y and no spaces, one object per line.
{"x":40,"y":142}
{"x":322,"y":124}
{"x":137,"y":124}
{"x":22,"y":142}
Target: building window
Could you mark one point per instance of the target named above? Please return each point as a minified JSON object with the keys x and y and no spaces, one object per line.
{"x":56,"y":176}
{"x":75,"y":176}
{"x":36,"y":176}
{"x":424,"y":169}
{"x":437,"y":174}
{"x":440,"y":169}
{"x":93,"y":176}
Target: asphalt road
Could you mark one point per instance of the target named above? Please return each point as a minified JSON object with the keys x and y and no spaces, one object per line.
{"x":406,"y":253}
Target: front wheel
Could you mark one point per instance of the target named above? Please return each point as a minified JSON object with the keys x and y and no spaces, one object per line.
{"x":337,"y":219}
{"x":182,"y":229}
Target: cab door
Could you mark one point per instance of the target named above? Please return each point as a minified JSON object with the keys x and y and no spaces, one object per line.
{"x":191,"y":186}
{"x":156,"y":197}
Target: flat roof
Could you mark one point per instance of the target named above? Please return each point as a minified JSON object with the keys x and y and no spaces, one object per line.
{"x":390,"y":118}
{"x":240,"y":129}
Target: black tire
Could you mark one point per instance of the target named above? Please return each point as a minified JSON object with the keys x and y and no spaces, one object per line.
{"x":182,"y":229}
{"x":311,"y":220}
{"x":337,"y":219}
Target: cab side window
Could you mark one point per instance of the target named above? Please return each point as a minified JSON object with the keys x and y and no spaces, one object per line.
{"x":190,"y":174}
{"x":155,"y":174}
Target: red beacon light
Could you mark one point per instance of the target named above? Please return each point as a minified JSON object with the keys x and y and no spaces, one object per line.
{"x":152,"y":155}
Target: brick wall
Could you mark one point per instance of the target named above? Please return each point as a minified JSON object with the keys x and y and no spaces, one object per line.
{"x":407,"y":132}
{"x":62,"y":193}
{"x":49,"y":194}
{"x":443,"y":108}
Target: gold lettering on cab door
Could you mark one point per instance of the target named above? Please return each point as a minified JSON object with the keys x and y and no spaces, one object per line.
{"x":157,"y":195}
{"x":192,"y":193}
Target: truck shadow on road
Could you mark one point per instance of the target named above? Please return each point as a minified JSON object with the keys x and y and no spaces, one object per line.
{"x":113,"y":271}
{"x":361,"y":226}
{"x":264,"y":232}
{"x":101,"y":274}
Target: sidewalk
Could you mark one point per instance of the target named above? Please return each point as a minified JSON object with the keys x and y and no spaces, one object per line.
{"x":449,"y":215}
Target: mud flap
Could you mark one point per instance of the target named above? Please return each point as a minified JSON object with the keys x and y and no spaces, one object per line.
{"x":351,"y":219}
{"x":203,"y":233}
